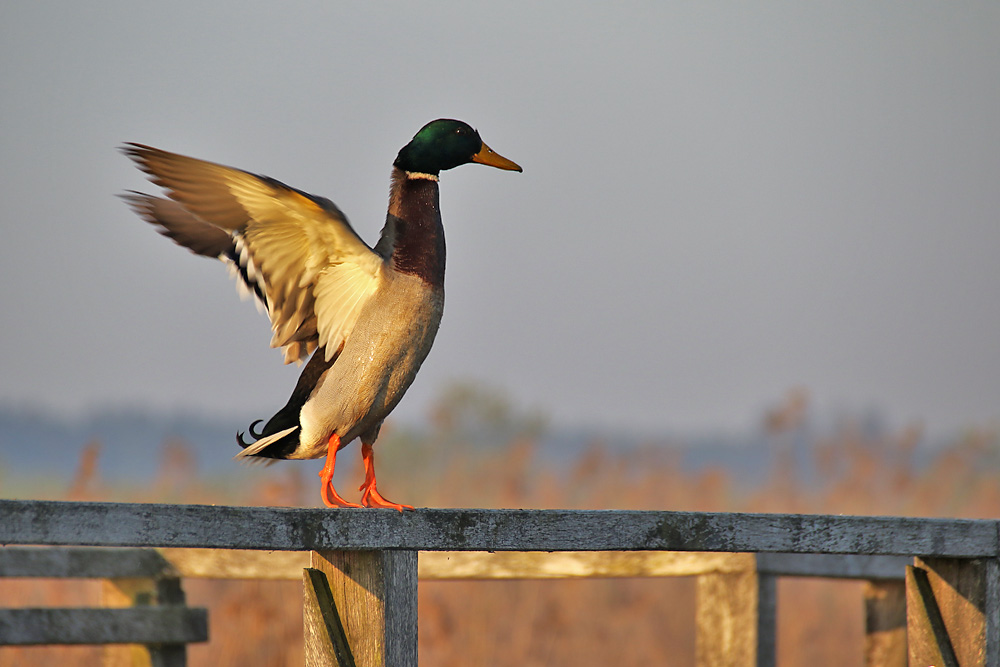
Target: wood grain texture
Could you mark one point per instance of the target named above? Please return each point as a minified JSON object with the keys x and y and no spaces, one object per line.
{"x":236,"y":564}
{"x":926,"y":633}
{"x":401,"y":608}
{"x":735,"y":620}
{"x":326,"y":642}
{"x":375,"y":593}
{"x":108,"y":562}
{"x":952,"y":610}
{"x":83,"y":562}
{"x":264,"y":528}
{"x":452,"y":565}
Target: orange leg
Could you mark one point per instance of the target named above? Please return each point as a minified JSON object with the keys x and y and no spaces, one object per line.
{"x":330,"y":496}
{"x":371,"y":497}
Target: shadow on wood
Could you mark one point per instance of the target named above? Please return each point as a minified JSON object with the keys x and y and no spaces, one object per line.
{"x":376,"y":595}
{"x":325,"y":639}
{"x":952,"y":611}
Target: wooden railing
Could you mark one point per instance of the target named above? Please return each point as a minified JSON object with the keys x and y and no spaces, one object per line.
{"x":361,"y":575}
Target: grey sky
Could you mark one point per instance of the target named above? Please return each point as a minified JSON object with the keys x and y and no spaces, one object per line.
{"x":720,"y":200}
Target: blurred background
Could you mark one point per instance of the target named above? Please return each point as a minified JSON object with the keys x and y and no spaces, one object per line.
{"x":751,"y":264}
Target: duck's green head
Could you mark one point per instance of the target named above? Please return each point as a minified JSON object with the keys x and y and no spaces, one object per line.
{"x":445,"y":144}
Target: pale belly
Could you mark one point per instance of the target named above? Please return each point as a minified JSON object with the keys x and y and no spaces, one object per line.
{"x":377,"y":365}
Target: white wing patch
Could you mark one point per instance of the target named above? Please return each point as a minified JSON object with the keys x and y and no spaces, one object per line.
{"x":340,"y":292}
{"x":316,"y":279}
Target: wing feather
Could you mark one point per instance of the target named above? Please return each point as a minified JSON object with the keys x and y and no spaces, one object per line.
{"x":315,"y":272}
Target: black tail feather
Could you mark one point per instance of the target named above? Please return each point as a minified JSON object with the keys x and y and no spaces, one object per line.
{"x":281,"y":448}
{"x":256,"y":435}
{"x":288,"y":416}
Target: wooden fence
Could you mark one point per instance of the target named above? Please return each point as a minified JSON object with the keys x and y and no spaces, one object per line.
{"x":933,"y":591}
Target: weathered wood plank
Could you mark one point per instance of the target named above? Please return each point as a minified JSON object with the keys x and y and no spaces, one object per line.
{"x":992,"y":612}
{"x":951,"y":611}
{"x":236,"y":563}
{"x":401,"y":608}
{"x":326,"y":643}
{"x":83,"y":563}
{"x":265,"y":528}
{"x":834,"y":566}
{"x":450,"y":565}
{"x":102,"y":562}
{"x":144,"y":625}
{"x":885,"y":623}
{"x":376,"y":595}
{"x":735,"y":619}
{"x":926,"y":634}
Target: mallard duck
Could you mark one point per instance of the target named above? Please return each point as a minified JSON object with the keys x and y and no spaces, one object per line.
{"x":368,"y":316}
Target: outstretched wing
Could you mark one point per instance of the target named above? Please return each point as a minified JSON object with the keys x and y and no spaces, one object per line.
{"x":297,"y":251}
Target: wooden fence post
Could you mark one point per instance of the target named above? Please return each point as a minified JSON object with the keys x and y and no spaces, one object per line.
{"x":885,"y":623}
{"x":326,"y":641}
{"x":375,"y":596}
{"x":132,"y":592}
{"x":735,"y":618}
{"x":953,"y":612}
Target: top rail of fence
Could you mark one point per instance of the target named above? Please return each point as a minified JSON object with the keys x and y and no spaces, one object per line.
{"x":268,"y":528}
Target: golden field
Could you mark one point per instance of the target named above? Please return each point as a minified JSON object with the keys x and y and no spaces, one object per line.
{"x":572,"y":623}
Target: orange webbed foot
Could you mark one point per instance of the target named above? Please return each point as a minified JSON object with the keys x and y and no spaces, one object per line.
{"x":370,"y":496}
{"x":330,"y":496}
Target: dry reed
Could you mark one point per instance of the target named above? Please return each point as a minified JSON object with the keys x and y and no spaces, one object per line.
{"x":578,"y":623}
